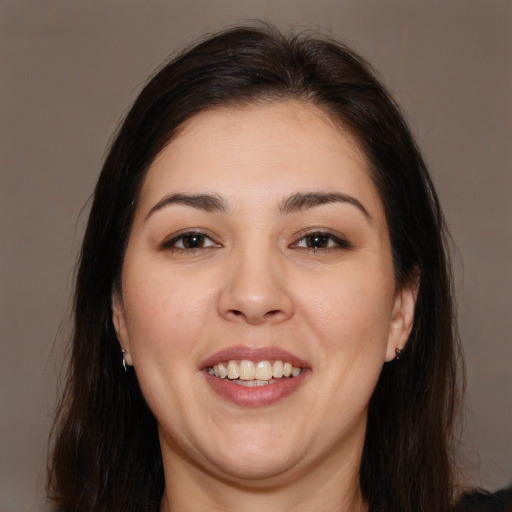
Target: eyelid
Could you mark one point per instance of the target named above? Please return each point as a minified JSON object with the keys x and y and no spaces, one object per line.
{"x":168,"y":242}
{"x":340,"y":240}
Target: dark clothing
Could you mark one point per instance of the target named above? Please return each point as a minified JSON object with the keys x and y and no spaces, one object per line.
{"x":480,"y":501}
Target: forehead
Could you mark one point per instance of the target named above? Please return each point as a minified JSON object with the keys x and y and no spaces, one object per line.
{"x":265,"y":149}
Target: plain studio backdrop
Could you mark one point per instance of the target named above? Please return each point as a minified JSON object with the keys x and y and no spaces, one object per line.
{"x":70,"y":69}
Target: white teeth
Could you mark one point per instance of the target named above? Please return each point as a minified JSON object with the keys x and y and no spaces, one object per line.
{"x":263,"y":371}
{"x":246,"y":383}
{"x":247,"y":370}
{"x":248,"y":373}
{"x":223,"y":371}
{"x":252,"y":383}
{"x":295,"y":371}
{"x":277,"y":369}
{"x":233,"y":370}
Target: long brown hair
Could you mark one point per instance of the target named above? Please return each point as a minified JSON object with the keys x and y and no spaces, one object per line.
{"x":106,"y":454}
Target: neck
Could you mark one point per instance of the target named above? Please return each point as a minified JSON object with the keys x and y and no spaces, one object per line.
{"x":327,"y":488}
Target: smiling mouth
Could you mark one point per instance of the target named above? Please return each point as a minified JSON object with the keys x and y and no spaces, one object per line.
{"x":250,"y":374}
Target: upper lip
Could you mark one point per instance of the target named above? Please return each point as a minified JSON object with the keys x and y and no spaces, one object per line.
{"x":253,"y":354}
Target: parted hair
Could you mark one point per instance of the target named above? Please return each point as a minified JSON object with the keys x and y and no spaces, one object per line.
{"x":104,"y":453}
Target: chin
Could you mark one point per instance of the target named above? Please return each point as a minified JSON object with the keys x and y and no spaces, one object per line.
{"x":256,"y":473}
{"x":254,"y":457}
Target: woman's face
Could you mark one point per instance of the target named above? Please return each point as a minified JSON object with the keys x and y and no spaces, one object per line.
{"x":260,"y":244}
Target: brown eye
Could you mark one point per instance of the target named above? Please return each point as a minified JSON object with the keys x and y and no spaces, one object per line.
{"x":190,"y":241}
{"x":193,"y":241}
{"x":319,"y":241}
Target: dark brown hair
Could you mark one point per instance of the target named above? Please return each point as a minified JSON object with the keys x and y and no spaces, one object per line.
{"x":106,"y":454}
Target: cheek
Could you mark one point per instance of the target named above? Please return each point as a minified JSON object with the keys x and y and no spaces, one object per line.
{"x":165,"y":313}
{"x":166,"y":317}
{"x":351,"y":323}
{"x":352,"y":314}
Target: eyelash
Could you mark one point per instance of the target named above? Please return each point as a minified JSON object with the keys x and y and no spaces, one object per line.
{"x":171,"y":244}
{"x":336,"y":242}
{"x":333,"y":242}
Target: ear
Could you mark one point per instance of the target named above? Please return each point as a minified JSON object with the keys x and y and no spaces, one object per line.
{"x":118,"y":319}
{"x":402,"y":317}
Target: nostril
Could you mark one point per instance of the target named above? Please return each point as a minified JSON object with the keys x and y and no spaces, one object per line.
{"x":237,"y":312}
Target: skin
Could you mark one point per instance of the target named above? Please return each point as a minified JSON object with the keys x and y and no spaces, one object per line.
{"x":255,"y":282}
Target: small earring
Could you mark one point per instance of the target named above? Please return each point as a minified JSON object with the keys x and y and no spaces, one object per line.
{"x":398,"y":353}
{"x":124,"y":360}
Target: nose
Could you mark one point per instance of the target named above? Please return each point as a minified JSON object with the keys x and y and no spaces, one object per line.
{"x":255,"y":291}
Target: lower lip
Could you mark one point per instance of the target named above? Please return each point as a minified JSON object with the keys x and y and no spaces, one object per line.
{"x":255,"y":396}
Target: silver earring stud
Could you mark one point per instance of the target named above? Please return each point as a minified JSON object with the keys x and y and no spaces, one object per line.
{"x":124,"y":360}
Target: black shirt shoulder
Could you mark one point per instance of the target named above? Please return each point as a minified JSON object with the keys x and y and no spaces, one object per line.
{"x":482,"y":501}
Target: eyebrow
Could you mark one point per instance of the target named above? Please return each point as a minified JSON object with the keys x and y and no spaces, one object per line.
{"x":293,"y":204}
{"x":206,"y":202}
{"x":303,"y":201}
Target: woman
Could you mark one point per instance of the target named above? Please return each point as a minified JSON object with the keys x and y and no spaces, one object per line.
{"x":263,"y":310}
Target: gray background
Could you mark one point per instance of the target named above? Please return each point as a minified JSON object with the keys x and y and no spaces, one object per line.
{"x":69,"y":70}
